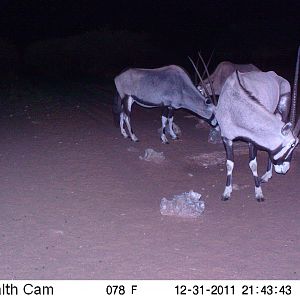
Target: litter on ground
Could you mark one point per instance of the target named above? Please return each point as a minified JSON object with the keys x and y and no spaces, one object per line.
{"x":186,"y":205}
{"x":153,"y":156}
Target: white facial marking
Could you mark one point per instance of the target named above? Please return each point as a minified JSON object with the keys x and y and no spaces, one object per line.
{"x":289,"y":147}
{"x":283,"y":168}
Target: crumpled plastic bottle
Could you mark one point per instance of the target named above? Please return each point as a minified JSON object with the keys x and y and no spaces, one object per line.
{"x":187,"y":205}
{"x":153,"y":156}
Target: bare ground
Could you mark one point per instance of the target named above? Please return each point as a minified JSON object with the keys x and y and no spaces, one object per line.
{"x":78,"y":203}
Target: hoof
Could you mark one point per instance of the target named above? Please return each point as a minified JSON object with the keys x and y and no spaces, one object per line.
{"x":225,"y":198}
{"x":164,"y":140}
{"x":134,"y":138}
{"x":262,"y":199}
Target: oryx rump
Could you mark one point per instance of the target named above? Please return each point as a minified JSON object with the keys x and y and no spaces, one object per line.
{"x":168,"y":87}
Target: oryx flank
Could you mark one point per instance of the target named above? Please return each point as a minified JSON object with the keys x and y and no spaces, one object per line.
{"x":254,"y":106}
{"x":221,"y":73}
{"x":168,"y":87}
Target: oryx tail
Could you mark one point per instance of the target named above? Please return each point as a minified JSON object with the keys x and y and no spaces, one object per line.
{"x":117,"y":108}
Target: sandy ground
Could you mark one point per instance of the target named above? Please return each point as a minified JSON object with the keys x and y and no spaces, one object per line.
{"x":78,"y":203}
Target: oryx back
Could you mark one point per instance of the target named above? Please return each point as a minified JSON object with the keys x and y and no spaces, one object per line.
{"x":223,"y":71}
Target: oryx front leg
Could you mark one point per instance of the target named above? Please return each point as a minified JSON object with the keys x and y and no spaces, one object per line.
{"x":229,"y":165}
{"x":253,"y":166}
{"x":268,"y":175}
{"x":128,"y":101}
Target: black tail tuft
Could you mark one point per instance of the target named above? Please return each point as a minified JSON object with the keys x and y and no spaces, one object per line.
{"x":117,"y":108}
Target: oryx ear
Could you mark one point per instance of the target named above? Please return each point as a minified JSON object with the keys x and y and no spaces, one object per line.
{"x":286,"y":128}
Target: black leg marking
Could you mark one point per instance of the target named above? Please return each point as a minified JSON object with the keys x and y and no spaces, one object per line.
{"x":268,"y":175}
{"x":170,"y":112}
{"x":253,"y":166}
{"x":253,"y":163}
{"x":229,"y":165}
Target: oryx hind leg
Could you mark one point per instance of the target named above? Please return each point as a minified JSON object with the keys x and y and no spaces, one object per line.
{"x":170,"y":123}
{"x":253,"y":166}
{"x":164,"y":121}
{"x":229,"y":165}
{"x":167,"y":118}
{"x":127,"y":103}
{"x":123,"y":131}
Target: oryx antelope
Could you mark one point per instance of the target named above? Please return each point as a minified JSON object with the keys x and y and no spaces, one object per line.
{"x":254,"y":107}
{"x":168,"y":87}
{"x":221,"y":73}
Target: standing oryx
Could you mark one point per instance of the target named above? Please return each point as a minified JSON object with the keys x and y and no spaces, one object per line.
{"x":254,"y":107}
{"x":168,"y":87}
{"x":221,"y":73}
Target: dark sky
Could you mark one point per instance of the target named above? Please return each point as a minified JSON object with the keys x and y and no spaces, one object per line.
{"x":209,"y":20}
{"x":266,"y":32}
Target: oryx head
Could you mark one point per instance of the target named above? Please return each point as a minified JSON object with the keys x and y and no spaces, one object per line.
{"x":283,"y":155}
{"x":209,"y":100}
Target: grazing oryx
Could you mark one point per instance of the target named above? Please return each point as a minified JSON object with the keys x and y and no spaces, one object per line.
{"x":168,"y":87}
{"x":221,"y":73}
{"x":254,"y":106}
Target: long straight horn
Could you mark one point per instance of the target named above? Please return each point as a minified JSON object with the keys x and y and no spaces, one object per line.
{"x":196,"y":82}
{"x":211,"y":55}
{"x":209,"y":80}
{"x":197,"y":72}
{"x":297,"y":128}
{"x":295,"y":89}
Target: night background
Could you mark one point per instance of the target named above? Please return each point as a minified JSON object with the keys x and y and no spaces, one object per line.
{"x":97,"y":39}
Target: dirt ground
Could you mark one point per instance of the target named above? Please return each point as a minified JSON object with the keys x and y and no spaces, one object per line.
{"x":78,"y":203}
